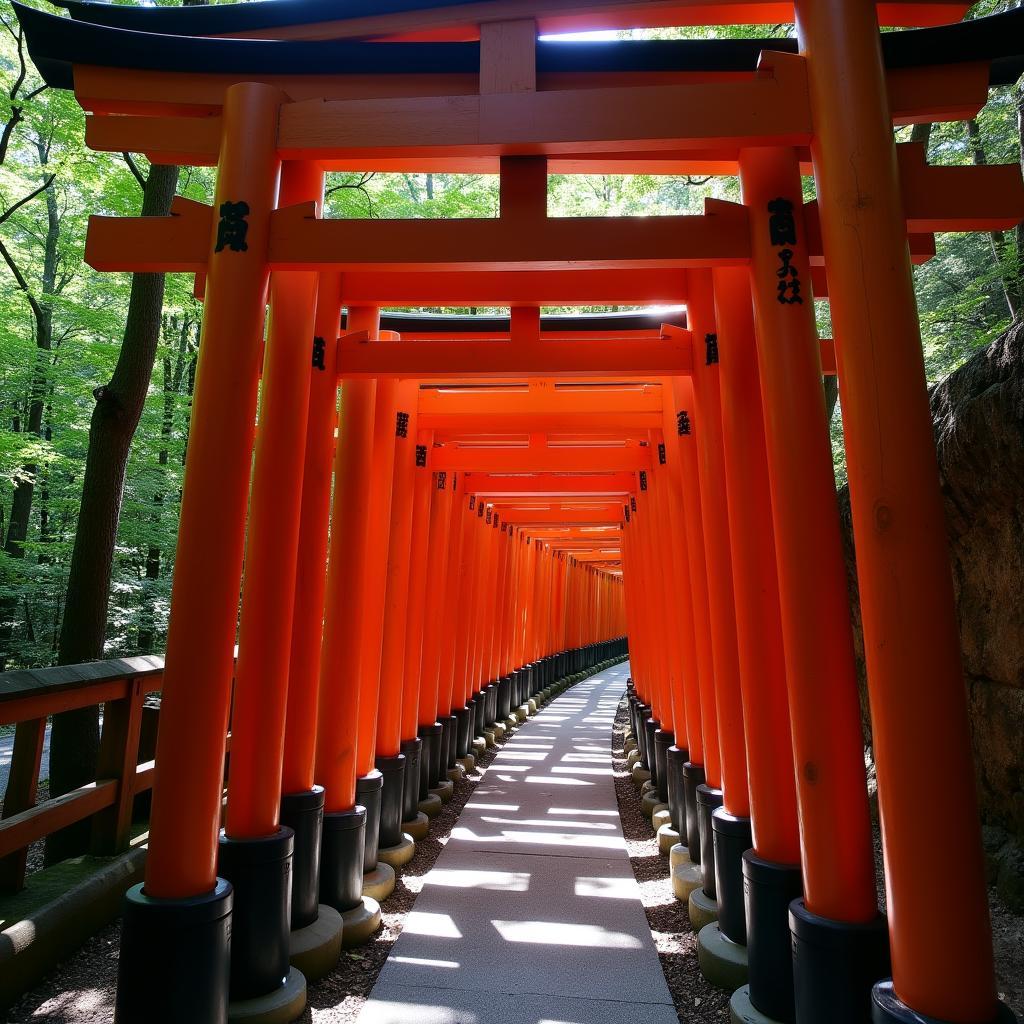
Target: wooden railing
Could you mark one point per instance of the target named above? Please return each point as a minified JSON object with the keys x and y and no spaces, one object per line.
{"x":26,"y":699}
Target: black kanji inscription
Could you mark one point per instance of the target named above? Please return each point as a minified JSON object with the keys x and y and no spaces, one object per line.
{"x":710,"y":349}
{"x":232,"y":227}
{"x":788,"y":288}
{"x":442,"y":480}
{"x":402,"y":425}
{"x":632,"y":502}
{"x":643,"y":480}
{"x":319,"y":351}
{"x":421,"y":455}
{"x":661,"y":454}
{"x":683,"y":427}
{"x":781,"y":223}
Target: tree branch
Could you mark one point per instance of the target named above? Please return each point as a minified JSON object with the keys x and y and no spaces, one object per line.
{"x":48,"y":181}
{"x":134,"y":168}
{"x":19,"y":277}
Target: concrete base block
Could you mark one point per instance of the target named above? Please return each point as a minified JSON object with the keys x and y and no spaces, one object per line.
{"x":281,"y":1006}
{"x":379,"y":883}
{"x":703,"y":910}
{"x":667,"y":836}
{"x":401,"y":853}
{"x":743,"y":1011}
{"x":479,"y":745}
{"x":661,"y":816}
{"x":512,"y":721}
{"x":468,"y":763}
{"x":679,"y":854}
{"x":456,"y":773}
{"x":646,"y":787}
{"x":686,"y":878}
{"x":431,"y":806}
{"x":640,"y":775}
{"x":359,"y":923}
{"x":522,"y":713}
{"x":418,"y":827}
{"x":630,"y":745}
{"x":490,"y":738}
{"x":443,"y":791}
{"x":531,"y":706}
{"x":649,"y":803}
{"x":499,"y":732}
{"x":722,"y":961}
{"x":632,"y":757}
{"x":315,"y":949}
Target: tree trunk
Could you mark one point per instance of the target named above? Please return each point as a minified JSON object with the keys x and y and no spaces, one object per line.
{"x":75,"y":739}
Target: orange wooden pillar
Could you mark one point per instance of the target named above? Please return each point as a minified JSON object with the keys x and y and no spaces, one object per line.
{"x":709,"y":772}
{"x":771,"y":869}
{"x":370,"y":785}
{"x":921,"y":741}
{"x":688,"y":748}
{"x":261,"y":676}
{"x":311,"y":563}
{"x":825,"y":719}
{"x":182,"y":861}
{"x":415,"y":746}
{"x":390,"y":760}
{"x":461,"y":625}
{"x":453,"y":586}
{"x":431,"y":726}
{"x":345,"y":833}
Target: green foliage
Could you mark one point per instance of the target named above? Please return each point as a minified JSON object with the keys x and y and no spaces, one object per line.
{"x":61,"y":323}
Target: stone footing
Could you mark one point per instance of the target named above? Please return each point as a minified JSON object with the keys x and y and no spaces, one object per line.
{"x":401,"y":853}
{"x":679,"y":854}
{"x":722,"y":961}
{"x":315,"y":949}
{"x":281,"y":1006}
{"x":359,"y":923}
{"x":379,"y":883}
{"x":743,"y":1011}
{"x":418,"y":827}
{"x":686,"y":878}
{"x":702,"y":908}
{"x":668,"y":837}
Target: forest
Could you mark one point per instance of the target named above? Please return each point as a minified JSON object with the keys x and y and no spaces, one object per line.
{"x":96,"y":371}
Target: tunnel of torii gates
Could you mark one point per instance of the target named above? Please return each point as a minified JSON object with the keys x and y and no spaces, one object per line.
{"x":511,"y":500}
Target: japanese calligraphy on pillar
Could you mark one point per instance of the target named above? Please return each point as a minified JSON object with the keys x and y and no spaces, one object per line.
{"x":643,"y":480}
{"x":442,"y":480}
{"x":319,"y":351}
{"x":421,"y":455}
{"x":782,"y":234}
{"x":232,"y":228}
{"x":632,"y":502}
{"x":402,"y":425}
{"x":661,"y":454}
{"x":683,"y":427}
{"x":710,"y":349}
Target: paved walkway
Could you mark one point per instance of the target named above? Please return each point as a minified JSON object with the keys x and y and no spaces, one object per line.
{"x":531,"y":914}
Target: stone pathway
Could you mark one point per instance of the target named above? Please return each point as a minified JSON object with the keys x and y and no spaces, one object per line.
{"x":531,"y":914}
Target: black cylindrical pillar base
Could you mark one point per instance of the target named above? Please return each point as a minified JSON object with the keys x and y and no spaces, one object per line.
{"x":175,"y":958}
{"x":708,"y":800}
{"x":450,"y":742}
{"x":430,"y":757}
{"x":341,"y":858}
{"x":393,"y":770}
{"x":663,"y":739}
{"x":675,"y":760}
{"x":504,"y":698}
{"x":768,"y":890}
{"x":643,"y":712}
{"x":480,"y":713}
{"x":732,"y":838}
{"x":651,"y":728}
{"x":835,"y":965}
{"x":260,"y":872}
{"x":464,"y":720}
{"x":413,"y":751}
{"x":693,"y":776}
{"x":888,"y":1008}
{"x":303,"y":813}
{"x":492,"y":703}
{"x":368,"y":795}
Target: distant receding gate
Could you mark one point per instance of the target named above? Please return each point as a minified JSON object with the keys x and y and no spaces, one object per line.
{"x":498,"y":505}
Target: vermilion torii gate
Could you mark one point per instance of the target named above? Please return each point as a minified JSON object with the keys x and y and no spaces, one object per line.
{"x":504,"y":508}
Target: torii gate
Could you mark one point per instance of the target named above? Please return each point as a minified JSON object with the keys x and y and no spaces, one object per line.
{"x":733,"y":573}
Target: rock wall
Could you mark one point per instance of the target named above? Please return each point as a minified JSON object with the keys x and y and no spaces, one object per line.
{"x":979,"y":428}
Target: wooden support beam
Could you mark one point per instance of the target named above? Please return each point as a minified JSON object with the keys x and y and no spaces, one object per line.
{"x":440,"y":408}
{"x":503,"y":484}
{"x":541,"y":459}
{"x":768,"y":106}
{"x":359,"y":356}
